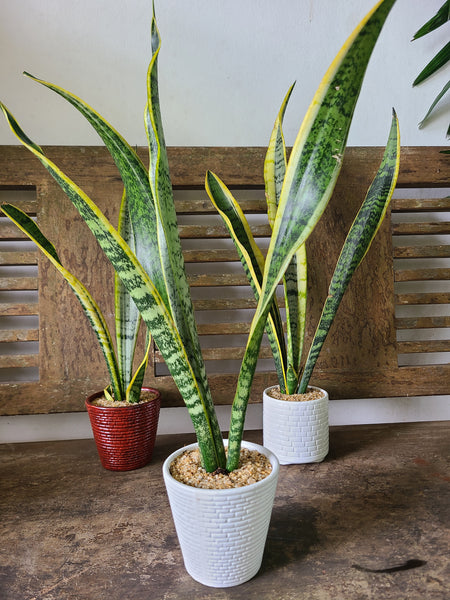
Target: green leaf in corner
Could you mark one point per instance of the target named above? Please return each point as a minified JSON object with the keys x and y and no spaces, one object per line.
{"x":436,"y":63}
{"x":441,"y":17}
{"x":432,"y":107}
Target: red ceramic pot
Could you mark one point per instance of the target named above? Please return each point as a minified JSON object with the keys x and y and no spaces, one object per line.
{"x":125,"y":435}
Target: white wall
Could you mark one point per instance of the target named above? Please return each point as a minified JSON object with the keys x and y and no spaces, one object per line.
{"x":224,"y":69}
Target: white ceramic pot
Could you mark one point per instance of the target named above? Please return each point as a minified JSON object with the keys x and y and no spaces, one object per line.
{"x":222,"y":533}
{"x":296,"y":432}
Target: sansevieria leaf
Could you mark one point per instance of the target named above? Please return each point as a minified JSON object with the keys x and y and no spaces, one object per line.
{"x":127,"y":317}
{"x":135,"y":179}
{"x":295,"y":294}
{"x":275,"y":162}
{"x":295,"y":276}
{"x":153,"y":217}
{"x":316,"y":157}
{"x":171,"y":256}
{"x":357,"y":243}
{"x":90,"y":307}
{"x":252,"y":260}
{"x":133,"y":391}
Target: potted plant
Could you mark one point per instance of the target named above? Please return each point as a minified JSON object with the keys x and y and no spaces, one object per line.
{"x":124,"y":416}
{"x":155,"y":278}
{"x":295,"y":414}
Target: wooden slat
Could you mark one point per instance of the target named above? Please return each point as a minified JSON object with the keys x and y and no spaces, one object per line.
{"x":423,"y":346}
{"x":421,"y":252}
{"x":18,"y":283}
{"x":28,"y":205}
{"x":421,"y":274}
{"x":233,"y":328}
{"x":224,"y":353}
{"x":228,"y":303}
{"x":420,"y":205}
{"x":19,"y":335}
{"x":12,"y":258}
{"x":224,"y":303}
{"x":9,"y":231}
{"x":213,"y":255}
{"x":421,"y":228}
{"x":205,"y":207}
{"x":18,"y":361}
{"x":423,"y":298}
{"x":422,"y":322}
{"x":217,"y":279}
{"x":217,"y":231}
{"x":17,"y":310}
{"x":223,"y":328}
{"x":421,"y":166}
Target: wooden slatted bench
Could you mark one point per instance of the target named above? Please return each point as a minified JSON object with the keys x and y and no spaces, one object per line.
{"x":49,"y":360}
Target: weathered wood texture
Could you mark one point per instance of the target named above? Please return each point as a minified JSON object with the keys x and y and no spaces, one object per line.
{"x":360,"y":358}
{"x":371,"y":521}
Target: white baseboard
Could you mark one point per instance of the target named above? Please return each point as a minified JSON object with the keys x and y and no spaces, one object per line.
{"x":68,"y":426}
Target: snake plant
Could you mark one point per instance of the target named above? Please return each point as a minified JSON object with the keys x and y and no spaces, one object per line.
{"x":152,"y":268}
{"x":297,"y":193}
{"x":438,"y":61}
{"x":125,"y":384}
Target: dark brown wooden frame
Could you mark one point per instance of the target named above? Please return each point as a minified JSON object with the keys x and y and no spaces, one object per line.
{"x":360,"y":356}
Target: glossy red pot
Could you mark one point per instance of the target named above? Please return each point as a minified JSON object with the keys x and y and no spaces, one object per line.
{"x":125,"y":435}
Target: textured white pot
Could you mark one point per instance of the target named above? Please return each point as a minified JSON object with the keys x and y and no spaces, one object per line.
{"x":222,"y":533}
{"x":296,"y":432}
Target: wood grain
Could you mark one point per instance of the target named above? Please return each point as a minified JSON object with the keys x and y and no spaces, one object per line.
{"x":360,"y":357}
{"x":345,"y":528}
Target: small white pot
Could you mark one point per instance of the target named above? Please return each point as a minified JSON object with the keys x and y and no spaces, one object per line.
{"x":222,"y":533}
{"x":296,"y":432}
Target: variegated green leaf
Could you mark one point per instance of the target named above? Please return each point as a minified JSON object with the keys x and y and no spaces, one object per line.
{"x":316,"y":157}
{"x":295,"y":292}
{"x":135,"y":178}
{"x":252,"y":260}
{"x":133,"y":391}
{"x":357,"y":243}
{"x":171,"y":255}
{"x":126,"y":313}
{"x":295,"y":276}
{"x":275,"y":162}
{"x":90,"y":307}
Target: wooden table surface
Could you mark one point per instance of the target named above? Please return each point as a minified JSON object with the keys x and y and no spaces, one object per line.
{"x":370,"y":522}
